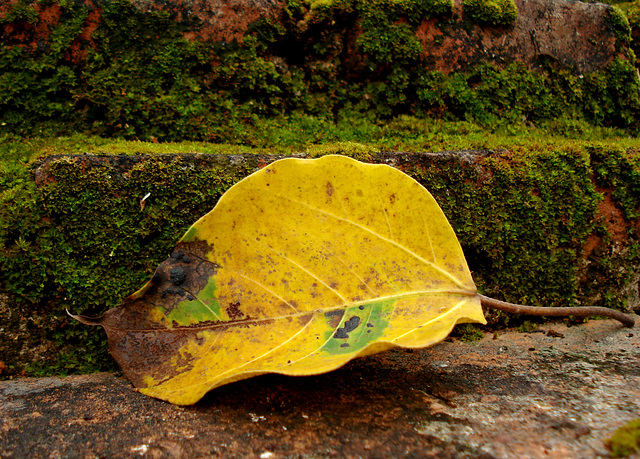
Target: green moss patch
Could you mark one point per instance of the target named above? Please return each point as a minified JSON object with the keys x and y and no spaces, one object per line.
{"x":136,"y":76}
{"x":491,"y":12}
{"x":626,"y":440}
{"x":619,"y":24}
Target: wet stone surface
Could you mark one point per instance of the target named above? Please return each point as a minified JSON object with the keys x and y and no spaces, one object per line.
{"x":556,"y":392}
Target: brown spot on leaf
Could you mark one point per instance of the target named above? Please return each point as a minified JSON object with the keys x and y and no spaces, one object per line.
{"x":233,"y":311}
{"x":305,"y":319}
{"x":334,"y":317}
{"x":330,"y":189}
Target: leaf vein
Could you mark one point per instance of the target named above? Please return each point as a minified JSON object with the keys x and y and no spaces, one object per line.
{"x":264,"y":287}
{"x":237,"y":369}
{"x":390,"y":241}
{"x":298,"y":266}
{"x":204,"y":304}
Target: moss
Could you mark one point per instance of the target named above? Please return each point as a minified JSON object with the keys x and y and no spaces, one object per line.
{"x":611,"y":268}
{"x":21,"y":11}
{"x":389,"y":30}
{"x":619,"y":170}
{"x":388,"y":26}
{"x":526,"y":326}
{"x":491,"y":95}
{"x":467,"y":332}
{"x":619,"y":24}
{"x":390,"y":43}
{"x":326,"y":10}
{"x":522,"y":219}
{"x":294,"y":8}
{"x":626,"y":440}
{"x":379,"y":11}
{"x":139,"y":78}
{"x":352,"y":149}
{"x":632,"y":12}
{"x":499,"y":13}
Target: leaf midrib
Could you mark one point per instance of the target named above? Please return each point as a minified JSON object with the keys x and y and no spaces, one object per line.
{"x":345,"y":306}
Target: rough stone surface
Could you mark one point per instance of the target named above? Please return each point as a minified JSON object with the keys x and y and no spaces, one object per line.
{"x":555,"y":392}
{"x":570,"y":32}
{"x":222,"y":20}
{"x":219,"y":20}
{"x":120,"y":165}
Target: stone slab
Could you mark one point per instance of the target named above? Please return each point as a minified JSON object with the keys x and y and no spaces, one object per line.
{"x":556,"y":392}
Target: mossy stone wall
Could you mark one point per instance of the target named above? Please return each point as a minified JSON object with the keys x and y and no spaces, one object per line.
{"x":550,"y":228}
{"x":108,"y":68}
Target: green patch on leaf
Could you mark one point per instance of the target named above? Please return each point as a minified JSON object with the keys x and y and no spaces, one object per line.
{"x":205,"y":307}
{"x":359,"y":327}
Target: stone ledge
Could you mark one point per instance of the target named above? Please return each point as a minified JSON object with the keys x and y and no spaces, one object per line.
{"x":556,"y":392}
{"x":121,"y":164}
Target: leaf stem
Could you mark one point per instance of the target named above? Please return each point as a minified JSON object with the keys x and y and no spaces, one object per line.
{"x":578,"y":311}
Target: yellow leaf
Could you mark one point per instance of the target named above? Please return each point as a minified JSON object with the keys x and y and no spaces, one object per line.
{"x":298,"y":269}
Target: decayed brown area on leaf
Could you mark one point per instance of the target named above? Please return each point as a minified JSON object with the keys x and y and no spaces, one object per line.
{"x":141,"y":345}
